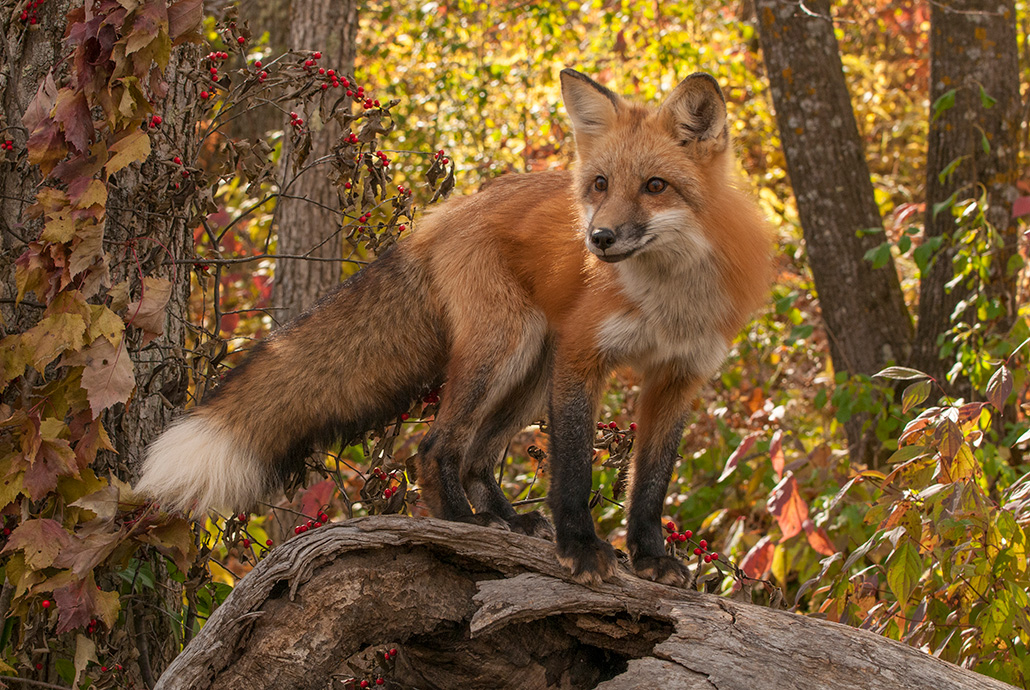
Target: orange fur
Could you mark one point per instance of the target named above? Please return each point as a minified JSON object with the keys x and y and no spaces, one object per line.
{"x":524,"y":295}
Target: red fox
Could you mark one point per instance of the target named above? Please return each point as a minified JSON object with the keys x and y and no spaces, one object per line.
{"x":523,"y":298}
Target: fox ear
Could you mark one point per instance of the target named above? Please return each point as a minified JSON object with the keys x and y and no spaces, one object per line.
{"x":698,"y":112}
{"x":591,"y":106}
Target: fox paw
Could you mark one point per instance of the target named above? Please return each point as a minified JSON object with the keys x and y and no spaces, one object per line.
{"x":590,"y":562}
{"x":532,"y":524}
{"x":663,"y":569}
{"x":485,"y":520}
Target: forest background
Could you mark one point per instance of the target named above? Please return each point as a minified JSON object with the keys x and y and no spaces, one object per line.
{"x":178,"y":178}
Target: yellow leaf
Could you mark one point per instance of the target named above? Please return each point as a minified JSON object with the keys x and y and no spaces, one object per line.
{"x":96,"y":191}
{"x":105,"y":323}
{"x":54,"y":335}
{"x":59,"y":229}
{"x":132,"y":148}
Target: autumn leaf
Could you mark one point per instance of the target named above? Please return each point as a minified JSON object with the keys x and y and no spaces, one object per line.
{"x":42,"y":103}
{"x":54,"y":458}
{"x":818,"y":539}
{"x":41,"y":540}
{"x":108,"y":376}
{"x":53,"y":335}
{"x":175,"y":540}
{"x":904,"y":568}
{"x":87,"y":248}
{"x":184,"y":17}
{"x":15,"y":356}
{"x":80,"y":602}
{"x":72,"y":113}
{"x":776,"y":454}
{"x":738,"y":454}
{"x":82,"y":554}
{"x":786,"y":505}
{"x":758,"y":560}
{"x":148,"y":312}
{"x":104,"y":322}
{"x":129,"y":149}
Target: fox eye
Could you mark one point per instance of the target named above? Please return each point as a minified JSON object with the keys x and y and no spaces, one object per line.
{"x":656,"y":185}
{"x":600,"y":183}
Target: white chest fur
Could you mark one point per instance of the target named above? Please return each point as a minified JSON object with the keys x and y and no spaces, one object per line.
{"x":676,"y":317}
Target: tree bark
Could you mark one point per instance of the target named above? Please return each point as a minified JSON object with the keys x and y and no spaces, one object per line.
{"x":973,"y":51}
{"x":863,"y":309}
{"x":308,"y":219}
{"x":472,"y":607}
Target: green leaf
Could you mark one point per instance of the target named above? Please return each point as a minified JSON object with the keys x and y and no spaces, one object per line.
{"x":946,"y":204}
{"x":879,"y":255}
{"x":914,"y":394}
{"x":944,"y":103}
{"x":904,"y":568}
{"x":943,"y":176}
{"x":905,"y":243}
{"x":900,"y":374}
{"x":985,"y":100}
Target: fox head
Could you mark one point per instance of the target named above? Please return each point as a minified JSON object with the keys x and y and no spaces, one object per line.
{"x":643,"y":173}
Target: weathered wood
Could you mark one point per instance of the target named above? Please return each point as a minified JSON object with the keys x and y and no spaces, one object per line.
{"x":473,"y":607}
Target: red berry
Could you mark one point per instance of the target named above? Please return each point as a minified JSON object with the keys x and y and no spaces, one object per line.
{"x":682,"y":537}
{"x":703,"y":543}
{"x":246,"y":543}
{"x":708,"y":558}
{"x":445,"y":161}
{"x":39,"y":667}
{"x":349,"y":92}
{"x":299,"y":122}
{"x":177,"y":160}
{"x":325,"y":86}
{"x":45,"y":604}
{"x":321,"y":70}
{"x":204,"y":95}
{"x":24,"y":15}
{"x":689,"y":533}
{"x":118,"y":667}
{"x":318,"y":523}
{"x":364,"y":683}
{"x":33,"y":19}
{"x":393,"y":652}
{"x":670,"y":526}
{"x":331,"y":73}
{"x":263,"y":75}
{"x":241,"y":40}
{"x":185,"y":173}
{"x":317,"y":55}
{"x":632,"y":426}
{"x":268,"y":542}
{"x":715,"y":556}
{"x":257,"y":63}
{"x":697,"y":552}
{"x":156,"y":120}
{"x":379,"y":681}
{"x":242,"y":517}
{"x":613,"y":425}
{"x":346,"y":82}
{"x":311,"y":524}
{"x":404,"y":415}
{"x":669,"y":539}
{"x":600,"y":425}
{"x":402,"y":228}
{"x":323,"y":517}
{"x":346,"y":185}
{"x":213,"y":71}
{"x":103,"y":669}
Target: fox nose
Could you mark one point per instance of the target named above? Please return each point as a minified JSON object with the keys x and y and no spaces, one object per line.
{"x":603,"y":238}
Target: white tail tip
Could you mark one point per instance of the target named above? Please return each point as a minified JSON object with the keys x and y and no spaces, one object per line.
{"x":197,"y":465}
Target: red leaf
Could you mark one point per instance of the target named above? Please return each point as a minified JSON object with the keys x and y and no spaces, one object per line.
{"x":316,"y":497}
{"x":759,"y":559}
{"x":54,"y":459}
{"x":776,"y":454}
{"x":1021,"y":206}
{"x":787,"y":506}
{"x":740,"y":452}
{"x":80,"y":602}
{"x":72,"y":113}
{"x":819,"y":539}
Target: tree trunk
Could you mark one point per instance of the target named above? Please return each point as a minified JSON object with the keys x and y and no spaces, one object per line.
{"x":867,"y":323}
{"x":973,"y":55}
{"x":473,"y":607}
{"x":308,"y":219}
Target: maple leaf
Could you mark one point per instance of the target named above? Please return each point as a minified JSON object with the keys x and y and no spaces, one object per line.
{"x":72,"y":113}
{"x":82,"y":554}
{"x":786,"y":505}
{"x":41,"y":540}
{"x":53,"y":335}
{"x":55,"y":458}
{"x":173,"y":539}
{"x":107,"y":376}
{"x":87,"y":248}
{"x":131,"y":148}
{"x":148,"y":312}
{"x":104,"y":322}
{"x":80,"y":602}
{"x":15,"y":356}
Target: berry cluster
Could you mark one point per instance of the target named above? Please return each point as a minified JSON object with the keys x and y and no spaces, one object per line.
{"x":7,"y":145}
{"x":439,"y":155}
{"x":296,"y":121}
{"x":155,"y":121}
{"x":311,"y":524}
{"x":29,"y":15}
{"x":614,"y":426}
{"x":676,"y":537}
{"x":379,"y":474}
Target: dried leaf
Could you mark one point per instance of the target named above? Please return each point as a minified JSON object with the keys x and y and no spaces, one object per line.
{"x":108,"y":377}
{"x":900,"y":373}
{"x":54,"y":335}
{"x":129,"y":149}
{"x":738,"y":454}
{"x":184,"y":17}
{"x":148,"y":312}
{"x":85,"y":652}
{"x":999,"y":388}
{"x":72,"y":113}
{"x":41,"y":540}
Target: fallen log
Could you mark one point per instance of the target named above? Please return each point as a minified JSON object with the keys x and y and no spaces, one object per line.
{"x":424,"y":603}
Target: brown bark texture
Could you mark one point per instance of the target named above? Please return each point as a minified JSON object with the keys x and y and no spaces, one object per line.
{"x":473,"y":607}
{"x":973,"y":53}
{"x":863,"y":309}
{"x":307,"y":216}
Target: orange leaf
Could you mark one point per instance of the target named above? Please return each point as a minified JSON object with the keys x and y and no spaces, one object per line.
{"x":787,"y":506}
{"x":759,"y":559}
{"x":776,"y":454}
{"x":818,"y":539}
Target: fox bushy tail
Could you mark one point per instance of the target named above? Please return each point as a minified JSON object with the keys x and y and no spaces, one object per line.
{"x":356,"y":359}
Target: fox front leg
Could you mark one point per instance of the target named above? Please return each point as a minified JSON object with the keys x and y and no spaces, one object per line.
{"x":573,"y":402}
{"x":663,"y":409}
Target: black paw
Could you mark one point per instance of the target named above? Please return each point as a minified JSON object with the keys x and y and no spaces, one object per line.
{"x":532,"y":524}
{"x":590,"y":562}
{"x":664,"y":569}
{"x":485,"y":520}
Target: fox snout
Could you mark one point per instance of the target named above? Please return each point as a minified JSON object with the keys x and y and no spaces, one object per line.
{"x":615,"y":244}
